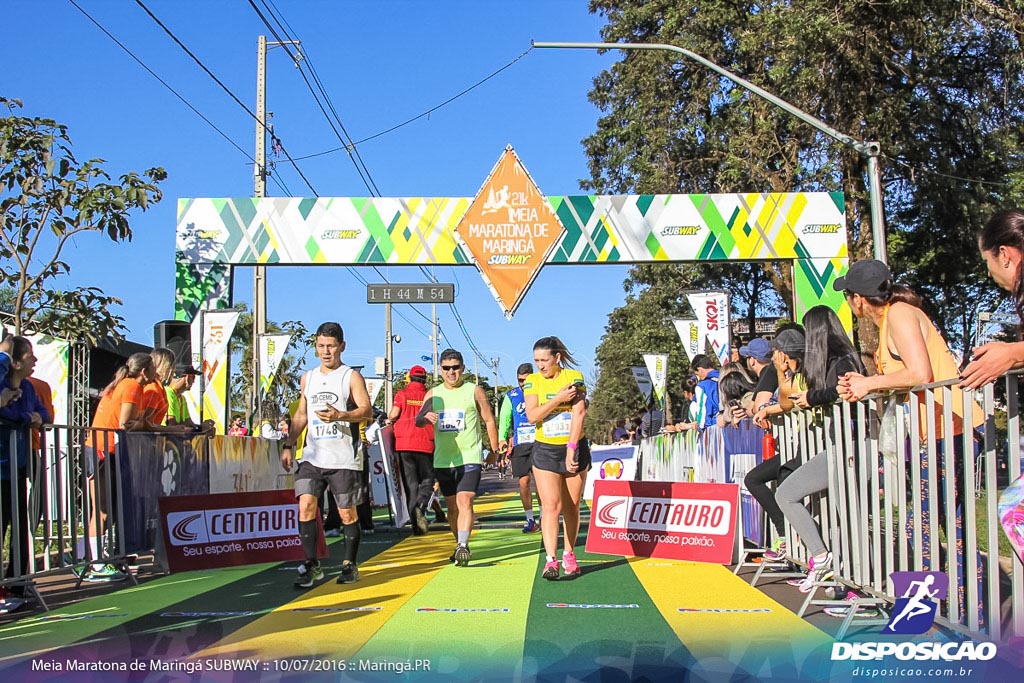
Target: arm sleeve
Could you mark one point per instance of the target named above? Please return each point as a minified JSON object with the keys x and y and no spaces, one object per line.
{"x":505,"y":419}
{"x":829,"y":395}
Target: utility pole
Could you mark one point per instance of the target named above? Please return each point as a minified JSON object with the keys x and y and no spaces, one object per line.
{"x":433,"y":335}
{"x":494,"y":363}
{"x":388,"y":370}
{"x":259,"y":296}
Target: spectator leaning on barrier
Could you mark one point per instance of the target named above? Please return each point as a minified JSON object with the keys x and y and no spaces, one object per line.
{"x":828,"y":354}
{"x":759,"y":361}
{"x":1002,"y":246}
{"x":1001,"y":243}
{"x":18,"y":416}
{"x":911,"y":352}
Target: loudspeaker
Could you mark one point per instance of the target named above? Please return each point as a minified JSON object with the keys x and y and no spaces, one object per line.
{"x":175,"y":336}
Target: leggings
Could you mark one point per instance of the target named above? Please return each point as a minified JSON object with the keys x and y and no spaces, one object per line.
{"x":757,"y":481}
{"x":808,"y":479}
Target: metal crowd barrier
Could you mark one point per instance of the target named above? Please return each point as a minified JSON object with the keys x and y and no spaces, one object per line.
{"x":61,"y":487}
{"x":898,"y":511}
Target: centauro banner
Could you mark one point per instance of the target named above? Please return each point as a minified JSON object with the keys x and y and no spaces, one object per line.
{"x":272,"y":348}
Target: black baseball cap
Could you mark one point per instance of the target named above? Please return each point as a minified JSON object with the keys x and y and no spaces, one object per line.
{"x":790,"y":342}
{"x":182,"y":370}
{"x":867,"y":278}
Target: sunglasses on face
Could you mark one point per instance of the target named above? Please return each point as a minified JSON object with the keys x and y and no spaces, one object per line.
{"x":521,"y":380}
{"x":449,"y":368}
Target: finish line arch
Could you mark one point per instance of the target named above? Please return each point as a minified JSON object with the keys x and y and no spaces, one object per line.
{"x":509,"y":231}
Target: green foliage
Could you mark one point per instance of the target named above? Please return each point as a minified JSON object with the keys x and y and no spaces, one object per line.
{"x":285,"y":387}
{"x":47,"y":198}
{"x":938,"y":85}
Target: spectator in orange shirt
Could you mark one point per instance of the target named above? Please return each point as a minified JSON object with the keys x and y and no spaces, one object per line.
{"x":154,"y":397}
{"x":120,"y":408}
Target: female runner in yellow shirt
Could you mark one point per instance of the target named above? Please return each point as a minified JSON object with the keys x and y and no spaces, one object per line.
{"x":561,"y":457}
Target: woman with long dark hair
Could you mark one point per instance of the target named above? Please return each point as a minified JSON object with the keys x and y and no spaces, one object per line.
{"x":828,"y":355}
{"x":1001,"y":243}
{"x":554,"y":397}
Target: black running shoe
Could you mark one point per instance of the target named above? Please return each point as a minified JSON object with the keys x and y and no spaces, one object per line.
{"x":309,"y":573}
{"x":462,"y":555}
{"x":419,"y":522}
{"x":349,"y":573}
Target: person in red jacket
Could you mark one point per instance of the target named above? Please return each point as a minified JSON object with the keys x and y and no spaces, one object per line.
{"x":415,"y":447}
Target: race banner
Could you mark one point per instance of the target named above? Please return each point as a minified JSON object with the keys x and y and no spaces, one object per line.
{"x":657,"y":367}
{"x":668,"y":520}
{"x":232,"y":529}
{"x":643,"y":381}
{"x":385,"y":474}
{"x":239,"y":464}
{"x":712,"y":311}
{"x":610,"y":463}
{"x":214,"y":328}
{"x":373,"y":387}
{"x":690,"y":335}
{"x":52,"y":367}
{"x":272,"y":348}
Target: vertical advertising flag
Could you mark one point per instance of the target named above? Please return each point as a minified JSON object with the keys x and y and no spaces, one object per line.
{"x":657,"y":366}
{"x":272,"y":348}
{"x":643,"y":381}
{"x":690,"y":335}
{"x":712,"y":311}
{"x":373,"y":387}
{"x":214,"y":328}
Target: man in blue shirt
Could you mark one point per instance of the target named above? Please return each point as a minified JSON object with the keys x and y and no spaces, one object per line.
{"x":706,"y":394}
{"x":18,"y":416}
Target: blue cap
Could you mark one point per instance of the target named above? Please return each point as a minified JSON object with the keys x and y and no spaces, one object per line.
{"x":758,"y":349}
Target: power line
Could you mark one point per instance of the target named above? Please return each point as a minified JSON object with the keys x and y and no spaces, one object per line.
{"x":164,"y":83}
{"x":229,"y":92}
{"x":428,"y":112}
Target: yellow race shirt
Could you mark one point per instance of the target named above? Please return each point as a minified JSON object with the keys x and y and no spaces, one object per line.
{"x":553,"y":429}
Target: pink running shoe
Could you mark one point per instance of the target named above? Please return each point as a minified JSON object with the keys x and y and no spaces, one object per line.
{"x":551,"y":571}
{"x":569,"y":563}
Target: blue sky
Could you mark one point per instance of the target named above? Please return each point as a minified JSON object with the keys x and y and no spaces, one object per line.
{"x":381,"y":62}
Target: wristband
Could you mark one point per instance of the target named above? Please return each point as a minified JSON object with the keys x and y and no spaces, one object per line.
{"x":571,"y":444}
{"x":285,"y":446}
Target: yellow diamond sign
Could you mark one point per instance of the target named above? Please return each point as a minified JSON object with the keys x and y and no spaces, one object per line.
{"x":509,"y":229}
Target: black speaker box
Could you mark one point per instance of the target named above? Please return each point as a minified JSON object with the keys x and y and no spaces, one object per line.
{"x":176,"y":336}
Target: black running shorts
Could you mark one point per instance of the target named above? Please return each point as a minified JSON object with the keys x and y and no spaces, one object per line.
{"x":551,"y":458}
{"x":346,"y":485}
{"x":452,"y":480}
{"x":522,"y":459}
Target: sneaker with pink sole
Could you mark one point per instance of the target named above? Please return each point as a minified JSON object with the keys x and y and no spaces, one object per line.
{"x":550,"y":570}
{"x":570,"y":565}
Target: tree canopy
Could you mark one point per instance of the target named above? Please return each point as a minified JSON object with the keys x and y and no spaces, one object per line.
{"x":47,"y":198}
{"x":938,"y":85}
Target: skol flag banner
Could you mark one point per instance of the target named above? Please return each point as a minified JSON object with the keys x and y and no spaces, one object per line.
{"x":214,"y":328}
{"x":657,"y":366}
{"x":690,"y":335}
{"x":712,"y":311}
{"x":272,"y":348}
{"x":643,"y":381}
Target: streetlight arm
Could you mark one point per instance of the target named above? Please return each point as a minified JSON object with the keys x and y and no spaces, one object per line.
{"x":760,"y":92}
{"x":870,"y":150}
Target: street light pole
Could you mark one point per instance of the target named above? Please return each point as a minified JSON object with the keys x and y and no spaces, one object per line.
{"x":869,"y":150}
